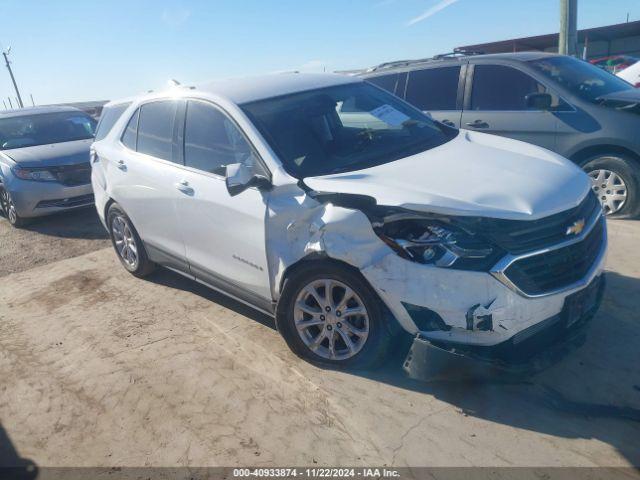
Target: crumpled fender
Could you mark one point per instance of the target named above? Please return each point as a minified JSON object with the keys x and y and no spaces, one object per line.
{"x":299,"y":226}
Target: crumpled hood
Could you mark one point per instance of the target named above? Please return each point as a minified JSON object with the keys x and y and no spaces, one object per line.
{"x":475,"y":174}
{"x":67,"y":153}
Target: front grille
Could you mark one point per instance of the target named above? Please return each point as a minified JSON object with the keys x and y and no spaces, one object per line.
{"x":72,"y":175}
{"x":557,"y":269}
{"x":521,"y":236}
{"x":67,"y":202}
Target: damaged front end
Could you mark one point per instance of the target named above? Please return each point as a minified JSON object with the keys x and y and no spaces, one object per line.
{"x":434,"y":274}
{"x":530,"y":351}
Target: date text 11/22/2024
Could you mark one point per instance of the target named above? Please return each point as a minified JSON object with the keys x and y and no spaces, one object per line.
{"x":315,"y":472}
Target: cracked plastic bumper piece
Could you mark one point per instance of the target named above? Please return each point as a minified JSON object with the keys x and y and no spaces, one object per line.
{"x":528,"y":352}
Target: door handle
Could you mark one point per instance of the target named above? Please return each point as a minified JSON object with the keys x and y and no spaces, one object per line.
{"x":122,"y":166}
{"x":478,"y":124}
{"x":184,"y":187}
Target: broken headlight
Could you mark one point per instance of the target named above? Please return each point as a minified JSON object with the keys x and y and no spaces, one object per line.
{"x":437,"y":242}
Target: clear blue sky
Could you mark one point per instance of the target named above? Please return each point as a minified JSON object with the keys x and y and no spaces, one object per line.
{"x":68,"y":50}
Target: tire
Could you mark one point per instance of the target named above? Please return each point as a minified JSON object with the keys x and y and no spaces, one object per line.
{"x":127,"y":243}
{"x":9,"y":210}
{"x":375,"y":322}
{"x":607,"y":171}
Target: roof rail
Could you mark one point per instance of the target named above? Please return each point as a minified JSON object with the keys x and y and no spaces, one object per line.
{"x":458,"y":52}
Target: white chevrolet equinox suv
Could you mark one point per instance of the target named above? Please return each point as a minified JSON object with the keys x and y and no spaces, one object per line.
{"x":350,"y":216}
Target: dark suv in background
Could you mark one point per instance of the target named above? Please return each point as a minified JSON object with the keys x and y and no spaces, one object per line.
{"x":558,"y":102}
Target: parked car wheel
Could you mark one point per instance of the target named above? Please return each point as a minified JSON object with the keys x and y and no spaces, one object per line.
{"x":331,"y":316}
{"x":9,"y":209}
{"x":127,"y":243}
{"x":615,"y":180}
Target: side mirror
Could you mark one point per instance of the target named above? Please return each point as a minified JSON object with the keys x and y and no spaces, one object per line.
{"x":539,"y":101}
{"x":239,"y":178}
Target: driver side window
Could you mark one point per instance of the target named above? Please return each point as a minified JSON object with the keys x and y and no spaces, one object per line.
{"x":502,"y":88}
{"x":212,"y":141}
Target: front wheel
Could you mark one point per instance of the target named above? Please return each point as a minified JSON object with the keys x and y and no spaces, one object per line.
{"x":9,"y":209}
{"x":615,"y":180}
{"x":328,"y":314}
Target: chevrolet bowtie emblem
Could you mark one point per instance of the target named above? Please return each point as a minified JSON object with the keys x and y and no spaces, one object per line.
{"x":576,"y":228}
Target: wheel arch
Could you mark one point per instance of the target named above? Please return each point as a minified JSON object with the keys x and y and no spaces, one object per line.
{"x":315,"y":258}
{"x":107,"y":205}
{"x":587,"y":153}
{"x":309,"y":260}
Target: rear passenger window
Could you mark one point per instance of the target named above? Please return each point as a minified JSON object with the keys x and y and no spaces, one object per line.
{"x":434,"y":88}
{"x":496,"y":87}
{"x":388,"y":82}
{"x":109,"y":117}
{"x":130,"y":133}
{"x":212,"y":141}
{"x":155,"y":129}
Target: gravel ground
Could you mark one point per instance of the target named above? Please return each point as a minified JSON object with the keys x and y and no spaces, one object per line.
{"x":49,"y":239}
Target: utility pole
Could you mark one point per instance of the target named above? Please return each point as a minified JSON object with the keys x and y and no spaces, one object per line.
{"x":568,"y":43}
{"x":13,"y":79}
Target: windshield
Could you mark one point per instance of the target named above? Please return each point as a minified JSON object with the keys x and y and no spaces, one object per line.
{"x":342,"y":128}
{"x":581,"y":78}
{"x":45,"y":128}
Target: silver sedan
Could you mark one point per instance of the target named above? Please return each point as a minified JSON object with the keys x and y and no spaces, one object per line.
{"x":44,"y":161}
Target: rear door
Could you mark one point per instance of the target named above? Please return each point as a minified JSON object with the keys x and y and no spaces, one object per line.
{"x":495,"y":102}
{"x":224,"y":235}
{"x":437,"y":90}
{"x":110,"y":115}
{"x":145,"y":180}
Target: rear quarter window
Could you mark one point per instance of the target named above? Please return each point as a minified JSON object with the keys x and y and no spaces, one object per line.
{"x":109,"y":117}
{"x":129,"y":137}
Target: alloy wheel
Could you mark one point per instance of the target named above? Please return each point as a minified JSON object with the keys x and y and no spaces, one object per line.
{"x":8,"y":207}
{"x":124,"y":241}
{"x":610,"y":189}
{"x":331,"y":319}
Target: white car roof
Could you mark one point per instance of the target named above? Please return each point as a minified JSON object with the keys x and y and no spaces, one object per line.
{"x":249,"y":89}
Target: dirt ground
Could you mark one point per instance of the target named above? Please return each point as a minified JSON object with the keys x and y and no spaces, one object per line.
{"x":99,"y":368}
{"x":48,"y":239}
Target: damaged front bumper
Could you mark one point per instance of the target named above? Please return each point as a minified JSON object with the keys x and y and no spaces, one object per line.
{"x":530,"y":351}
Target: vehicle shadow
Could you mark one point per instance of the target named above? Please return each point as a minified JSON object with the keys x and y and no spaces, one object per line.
{"x":12,"y":466}
{"x":170,"y":279}
{"x":81,"y":224}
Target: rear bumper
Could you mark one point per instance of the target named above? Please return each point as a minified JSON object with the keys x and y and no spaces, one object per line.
{"x":529,"y":352}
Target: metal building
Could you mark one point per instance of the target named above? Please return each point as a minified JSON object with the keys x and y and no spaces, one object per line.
{"x":620,"y":39}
